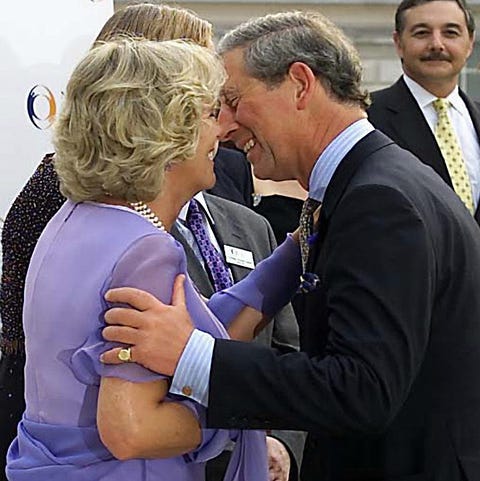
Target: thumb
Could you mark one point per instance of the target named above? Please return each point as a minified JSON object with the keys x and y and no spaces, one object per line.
{"x":178,"y":294}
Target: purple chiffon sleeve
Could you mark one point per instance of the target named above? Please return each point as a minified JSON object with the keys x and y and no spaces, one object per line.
{"x":269,"y":287}
{"x":87,"y":368}
{"x":151,"y":263}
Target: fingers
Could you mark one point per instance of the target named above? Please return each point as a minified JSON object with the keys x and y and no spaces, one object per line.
{"x":123,"y":334}
{"x":111,"y":356}
{"x":123,"y":316}
{"x":136,"y":298}
{"x":178,"y":294}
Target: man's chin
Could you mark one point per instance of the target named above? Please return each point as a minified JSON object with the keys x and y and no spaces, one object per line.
{"x":262,"y":174}
{"x":440,"y":72}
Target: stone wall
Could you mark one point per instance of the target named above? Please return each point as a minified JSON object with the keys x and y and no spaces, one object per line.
{"x":368,"y":24}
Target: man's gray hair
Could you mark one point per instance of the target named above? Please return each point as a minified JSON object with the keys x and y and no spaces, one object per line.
{"x":274,"y":42}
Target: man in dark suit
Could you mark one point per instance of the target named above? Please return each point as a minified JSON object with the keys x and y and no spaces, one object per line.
{"x":387,"y":385}
{"x":233,"y":225}
{"x":234,"y":177}
{"x":434,"y":39}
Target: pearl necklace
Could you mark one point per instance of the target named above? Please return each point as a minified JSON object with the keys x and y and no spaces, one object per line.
{"x":147,"y":214}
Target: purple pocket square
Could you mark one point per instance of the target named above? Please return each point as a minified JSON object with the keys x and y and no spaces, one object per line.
{"x":311,"y":239}
{"x":308,"y":283}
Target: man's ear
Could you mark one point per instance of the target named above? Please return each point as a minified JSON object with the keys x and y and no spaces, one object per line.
{"x":472,"y":44}
{"x":398,"y":43}
{"x":304,"y":81}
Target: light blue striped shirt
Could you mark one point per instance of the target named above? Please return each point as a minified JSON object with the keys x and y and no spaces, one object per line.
{"x":330,"y":158}
{"x":193,"y":370}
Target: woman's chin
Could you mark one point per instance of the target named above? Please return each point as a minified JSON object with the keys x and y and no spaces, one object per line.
{"x":211,"y":183}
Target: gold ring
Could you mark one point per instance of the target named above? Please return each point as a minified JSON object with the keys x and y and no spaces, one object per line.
{"x":125,"y":354}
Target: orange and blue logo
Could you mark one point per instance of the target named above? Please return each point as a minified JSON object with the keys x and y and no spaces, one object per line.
{"x":41,"y":107}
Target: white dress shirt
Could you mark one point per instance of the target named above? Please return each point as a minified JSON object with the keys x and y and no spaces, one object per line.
{"x":462,"y":124}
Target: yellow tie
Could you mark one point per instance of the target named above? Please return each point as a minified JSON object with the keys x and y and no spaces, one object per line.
{"x":450,"y":148}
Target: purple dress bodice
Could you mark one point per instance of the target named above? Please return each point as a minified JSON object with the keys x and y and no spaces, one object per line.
{"x":86,"y":249}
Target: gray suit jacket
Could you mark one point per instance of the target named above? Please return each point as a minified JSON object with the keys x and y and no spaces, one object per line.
{"x":238,"y":226}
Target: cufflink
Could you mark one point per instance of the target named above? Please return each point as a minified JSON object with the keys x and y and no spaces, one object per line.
{"x":187,"y":390}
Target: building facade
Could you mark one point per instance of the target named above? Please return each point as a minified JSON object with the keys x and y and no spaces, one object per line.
{"x":368,"y":24}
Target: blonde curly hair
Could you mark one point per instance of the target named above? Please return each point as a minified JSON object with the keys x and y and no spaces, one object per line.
{"x":132,"y":108}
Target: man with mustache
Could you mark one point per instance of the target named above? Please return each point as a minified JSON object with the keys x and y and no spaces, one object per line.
{"x":434,"y":39}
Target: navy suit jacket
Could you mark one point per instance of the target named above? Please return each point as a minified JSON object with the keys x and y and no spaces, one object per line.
{"x":387,"y":384}
{"x":234,"y":177}
{"x":396,"y":113}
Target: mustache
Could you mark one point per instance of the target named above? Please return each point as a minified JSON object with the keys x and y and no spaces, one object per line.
{"x":436,"y":56}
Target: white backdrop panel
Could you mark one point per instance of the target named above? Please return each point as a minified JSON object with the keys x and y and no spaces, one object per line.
{"x":40,"y":43}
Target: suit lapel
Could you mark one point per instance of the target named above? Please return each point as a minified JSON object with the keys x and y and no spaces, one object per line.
{"x":195,"y":269}
{"x":412,"y":130}
{"x":474,"y":112}
{"x":340,"y":180}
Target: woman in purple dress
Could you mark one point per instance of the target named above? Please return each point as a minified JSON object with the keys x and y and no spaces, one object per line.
{"x":41,"y":198}
{"x":138,"y":125}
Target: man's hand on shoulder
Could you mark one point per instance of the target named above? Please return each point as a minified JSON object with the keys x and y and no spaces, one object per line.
{"x":156,"y":333}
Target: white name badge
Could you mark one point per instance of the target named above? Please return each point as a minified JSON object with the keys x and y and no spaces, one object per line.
{"x":239,"y":257}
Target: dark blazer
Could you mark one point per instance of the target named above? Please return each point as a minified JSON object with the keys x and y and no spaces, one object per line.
{"x":388,"y":383}
{"x":396,"y":113}
{"x":237,"y":226}
{"x":234,"y":177}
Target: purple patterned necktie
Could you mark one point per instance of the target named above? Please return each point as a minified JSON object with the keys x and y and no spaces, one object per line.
{"x":214,"y":262}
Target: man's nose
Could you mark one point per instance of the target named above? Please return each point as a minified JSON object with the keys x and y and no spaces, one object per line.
{"x":436,"y":41}
{"x":228,"y":124}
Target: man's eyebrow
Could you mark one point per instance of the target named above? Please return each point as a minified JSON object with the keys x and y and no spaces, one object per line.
{"x":419,"y":25}
{"x":427,"y":25}
{"x":453,"y":25}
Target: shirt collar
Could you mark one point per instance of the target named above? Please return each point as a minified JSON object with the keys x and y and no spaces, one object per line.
{"x":330,"y":158}
{"x":200,"y":198}
{"x":424,"y":98}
